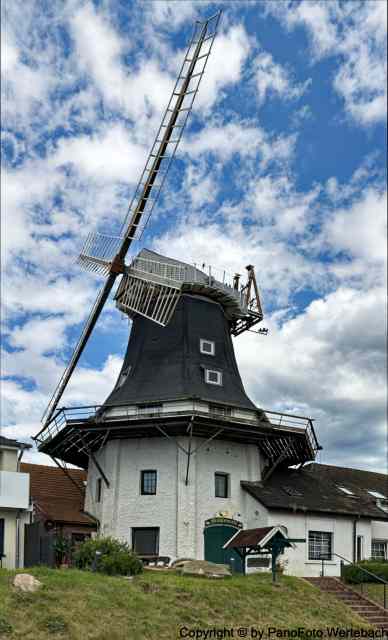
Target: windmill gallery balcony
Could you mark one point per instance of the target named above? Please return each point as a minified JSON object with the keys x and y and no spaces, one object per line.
{"x":73,"y":432}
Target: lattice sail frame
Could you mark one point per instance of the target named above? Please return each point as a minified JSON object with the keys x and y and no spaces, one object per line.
{"x":100,"y":249}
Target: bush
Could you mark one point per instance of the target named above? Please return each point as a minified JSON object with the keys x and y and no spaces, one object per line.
{"x":116,"y":558}
{"x":354,"y":575}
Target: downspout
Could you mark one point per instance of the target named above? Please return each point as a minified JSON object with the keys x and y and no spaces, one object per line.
{"x":17,"y":533}
{"x":17,"y":541}
{"x":355,"y":538}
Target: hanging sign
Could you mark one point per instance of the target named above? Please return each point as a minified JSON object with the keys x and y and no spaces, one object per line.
{"x":226,"y":521}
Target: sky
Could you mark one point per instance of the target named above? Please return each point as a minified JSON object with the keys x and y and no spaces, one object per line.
{"x":282,"y":165}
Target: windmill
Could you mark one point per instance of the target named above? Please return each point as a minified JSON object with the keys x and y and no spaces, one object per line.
{"x":152,"y":287}
{"x":179,"y":396}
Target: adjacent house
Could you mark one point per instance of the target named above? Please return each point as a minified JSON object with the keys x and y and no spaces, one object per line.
{"x":14,"y":503}
{"x":342,"y":513}
{"x":58,"y":500}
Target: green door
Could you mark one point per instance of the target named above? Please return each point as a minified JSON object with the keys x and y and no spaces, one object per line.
{"x":215,"y":537}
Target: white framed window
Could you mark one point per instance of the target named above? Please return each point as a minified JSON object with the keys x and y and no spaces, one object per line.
{"x":207,"y":347}
{"x":213,"y":377}
{"x":320,"y":545}
{"x":379,"y":550}
{"x":98,"y":490}
{"x":221,"y":485}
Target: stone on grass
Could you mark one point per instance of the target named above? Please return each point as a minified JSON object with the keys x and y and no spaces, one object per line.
{"x":204,"y":568}
{"x":26,"y":582}
{"x":179,"y":562}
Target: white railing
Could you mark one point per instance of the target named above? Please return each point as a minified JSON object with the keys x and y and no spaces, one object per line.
{"x":190,"y":274}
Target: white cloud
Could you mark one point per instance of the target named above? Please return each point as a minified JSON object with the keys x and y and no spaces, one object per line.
{"x":166,"y":13}
{"x":361,"y":229}
{"x":22,"y":409}
{"x":40,"y":335}
{"x":141,"y":92}
{"x":109,"y":154}
{"x":272,"y":78}
{"x":225,"y":65}
{"x":327,"y":363}
{"x":356,"y":33}
{"x":242,"y":138}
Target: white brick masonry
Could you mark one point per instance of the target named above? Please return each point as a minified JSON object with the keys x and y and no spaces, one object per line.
{"x":178,"y":510}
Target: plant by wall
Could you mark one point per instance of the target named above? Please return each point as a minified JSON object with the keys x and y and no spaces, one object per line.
{"x":107,"y":555}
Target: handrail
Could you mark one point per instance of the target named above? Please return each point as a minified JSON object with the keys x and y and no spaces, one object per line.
{"x":355,"y":564}
{"x":369,"y":573}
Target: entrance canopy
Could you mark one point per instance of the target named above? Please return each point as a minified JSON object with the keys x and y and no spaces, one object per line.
{"x":259,"y":540}
{"x":273,"y":540}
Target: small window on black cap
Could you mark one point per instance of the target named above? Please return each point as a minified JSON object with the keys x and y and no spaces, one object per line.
{"x":213,"y":377}
{"x":207,"y":347}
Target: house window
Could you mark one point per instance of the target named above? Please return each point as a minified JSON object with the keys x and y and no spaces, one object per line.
{"x":207,"y":346}
{"x":379,"y":549}
{"x":98,"y":490}
{"x":148,"y":482}
{"x":221,"y":485}
{"x":213,"y":377}
{"x":320,"y":545}
{"x":1,"y":538}
{"x":145,"y":541}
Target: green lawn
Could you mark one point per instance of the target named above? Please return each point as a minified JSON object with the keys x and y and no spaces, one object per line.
{"x":76,"y":605}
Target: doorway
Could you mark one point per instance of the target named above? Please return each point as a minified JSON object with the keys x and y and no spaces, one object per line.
{"x":215,"y":536}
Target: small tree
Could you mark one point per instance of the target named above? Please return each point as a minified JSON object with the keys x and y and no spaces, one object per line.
{"x":62,"y":549}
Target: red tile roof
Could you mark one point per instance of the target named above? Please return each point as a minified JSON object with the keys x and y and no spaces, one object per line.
{"x":54,"y":494}
{"x":248,"y":537}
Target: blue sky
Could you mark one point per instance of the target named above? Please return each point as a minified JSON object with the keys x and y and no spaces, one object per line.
{"x":283,"y":165}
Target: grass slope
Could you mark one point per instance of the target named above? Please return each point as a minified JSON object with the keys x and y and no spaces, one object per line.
{"x":80,"y":605}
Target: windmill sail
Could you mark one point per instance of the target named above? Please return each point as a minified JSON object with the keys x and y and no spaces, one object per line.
{"x":98,"y":251}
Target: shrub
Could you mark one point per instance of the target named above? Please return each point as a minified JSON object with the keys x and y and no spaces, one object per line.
{"x":354,"y":575}
{"x":62,"y":548}
{"x":114,"y":557}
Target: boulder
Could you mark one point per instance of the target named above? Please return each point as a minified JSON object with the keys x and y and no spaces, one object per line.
{"x":26,"y":582}
{"x":204,"y":568}
{"x":179,"y":562}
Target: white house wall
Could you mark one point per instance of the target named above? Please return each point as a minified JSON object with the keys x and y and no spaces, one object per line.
{"x":341,"y":527}
{"x":179,"y":510}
